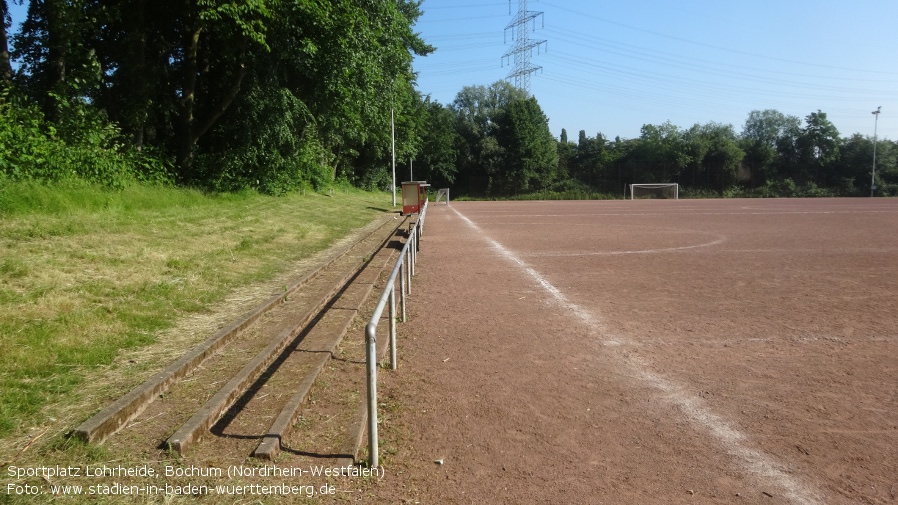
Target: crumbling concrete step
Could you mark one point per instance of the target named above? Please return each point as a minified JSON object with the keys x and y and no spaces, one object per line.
{"x":116,"y":415}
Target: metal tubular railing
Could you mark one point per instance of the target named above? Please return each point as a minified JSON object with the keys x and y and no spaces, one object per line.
{"x":404,"y":270}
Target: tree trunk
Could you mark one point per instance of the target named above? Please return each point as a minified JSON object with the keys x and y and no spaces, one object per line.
{"x":192,"y":129}
{"x":5,"y":67}
{"x":57,"y":50}
{"x":188,"y":100}
{"x":136,"y":117}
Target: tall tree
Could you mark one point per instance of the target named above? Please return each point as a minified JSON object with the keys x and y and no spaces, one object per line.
{"x":762,"y":134}
{"x":723,"y":157}
{"x":530,"y":156}
{"x":439,"y":153}
{"x":54,"y":46}
{"x":477,"y":109}
{"x":591,"y":160}
{"x":698,"y":145}
{"x":662,"y":152}
{"x":819,"y":148}
{"x":566,"y":156}
{"x":351,"y":102}
{"x":209,"y":63}
{"x":5,"y":21}
{"x":856,"y":163}
{"x":788,"y":152}
{"x":136,"y":46}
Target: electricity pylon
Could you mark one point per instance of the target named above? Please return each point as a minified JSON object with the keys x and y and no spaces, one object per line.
{"x":522,"y":48}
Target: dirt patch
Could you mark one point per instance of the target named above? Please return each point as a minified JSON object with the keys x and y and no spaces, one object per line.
{"x":650,"y":352}
{"x":736,"y":351}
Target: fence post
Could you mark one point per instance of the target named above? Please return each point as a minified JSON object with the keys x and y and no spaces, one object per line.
{"x":411,"y":259}
{"x":414,"y":251}
{"x":393,"y":363}
{"x":402,"y":275}
{"x":371,"y":358}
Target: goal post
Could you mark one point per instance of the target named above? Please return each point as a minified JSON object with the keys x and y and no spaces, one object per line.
{"x":441,"y":194}
{"x":657,"y":190}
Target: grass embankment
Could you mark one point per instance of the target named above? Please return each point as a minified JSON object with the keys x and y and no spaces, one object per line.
{"x":87,"y":273}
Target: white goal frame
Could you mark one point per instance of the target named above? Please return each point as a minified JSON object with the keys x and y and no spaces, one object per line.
{"x":676,"y":190}
{"x":442,"y":193}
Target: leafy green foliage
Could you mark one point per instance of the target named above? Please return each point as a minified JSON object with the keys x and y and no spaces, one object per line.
{"x":350,"y":103}
{"x":439,"y":153}
{"x":250,"y":16}
{"x":269,"y":145}
{"x":775,"y":155}
{"x":82,"y":145}
{"x":180,"y":77}
{"x":283,"y":96}
{"x":530,"y":157}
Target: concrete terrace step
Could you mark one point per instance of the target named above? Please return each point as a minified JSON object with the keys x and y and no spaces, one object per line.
{"x":243,"y":356}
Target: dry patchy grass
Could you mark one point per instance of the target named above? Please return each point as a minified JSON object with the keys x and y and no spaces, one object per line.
{"x":97,"y":289}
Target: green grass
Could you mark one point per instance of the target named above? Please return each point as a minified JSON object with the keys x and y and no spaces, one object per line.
{"x":86,"y":273}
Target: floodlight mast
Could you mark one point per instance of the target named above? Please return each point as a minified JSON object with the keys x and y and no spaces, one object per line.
{"x":873,"y":173}
{"x":393,"y":150}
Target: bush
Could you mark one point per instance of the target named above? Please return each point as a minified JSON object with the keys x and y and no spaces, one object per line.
{"x":82,"y":145}
{"x":686,"y":192}
{"x":25,"y":147}
{"x":269,"y":144}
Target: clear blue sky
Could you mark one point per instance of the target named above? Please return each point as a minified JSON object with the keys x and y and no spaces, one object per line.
{"x":612,"y":66}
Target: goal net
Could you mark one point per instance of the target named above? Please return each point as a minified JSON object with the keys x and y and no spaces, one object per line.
{"x":662,"y":190}
{"x":443,"y":194}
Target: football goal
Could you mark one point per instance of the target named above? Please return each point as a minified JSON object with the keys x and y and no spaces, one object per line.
{"x":443,"y":194}
{"x":658,"y":190}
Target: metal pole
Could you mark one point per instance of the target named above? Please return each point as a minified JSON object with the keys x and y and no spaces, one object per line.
{"x":393,"y":142}
{"x":402,"y":290}
{"x":403,"y":273}
{"x":408,"y":273}
{"x":371,"y":358}
{"x":411,"y":260}
{"x":393,"y":327}
{"x":415,"y":247}
{"x":873,"y":173}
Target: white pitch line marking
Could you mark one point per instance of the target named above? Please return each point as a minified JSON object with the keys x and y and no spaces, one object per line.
{"x":684,"y":211}
{"x":752,"y":460}
{"x":712,"y":243}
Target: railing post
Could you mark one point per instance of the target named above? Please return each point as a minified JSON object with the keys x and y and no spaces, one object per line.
{"x":393,"y":364}
{"x":411,"y":260}
{"x":403,"y":272}
{"x":402,"y":290}
{"x":412,"y":250}
{"x":371,"y":358}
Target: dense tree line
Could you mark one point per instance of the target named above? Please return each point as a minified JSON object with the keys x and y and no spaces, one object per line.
{"x":494,"y":140}
{"x":277,"y":96}
{"x":773,"y":155}
{"x":228,"y":94}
